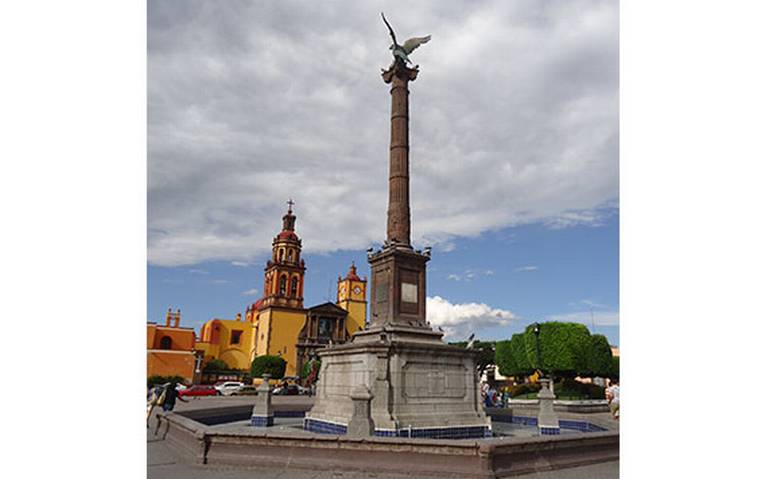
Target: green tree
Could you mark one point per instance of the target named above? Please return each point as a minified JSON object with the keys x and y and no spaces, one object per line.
{"x":614,"y":373}
{"x":599,"y":363}
{"x":272,"y":365}
{"x":511,"y":357}
{"x":564,"y":348}
{"x":215,"y":365}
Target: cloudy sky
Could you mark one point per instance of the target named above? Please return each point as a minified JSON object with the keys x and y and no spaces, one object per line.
{"x":514,"y":143}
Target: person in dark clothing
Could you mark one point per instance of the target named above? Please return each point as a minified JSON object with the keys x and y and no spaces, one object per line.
{"x":171,"y":395}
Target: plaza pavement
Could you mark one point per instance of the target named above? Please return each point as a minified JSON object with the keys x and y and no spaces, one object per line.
{"x":164,"y":463}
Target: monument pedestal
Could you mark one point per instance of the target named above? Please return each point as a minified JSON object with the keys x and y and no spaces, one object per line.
{"x":421,"y":387}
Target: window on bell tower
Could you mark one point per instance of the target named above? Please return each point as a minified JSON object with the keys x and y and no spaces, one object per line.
{"x":282,"y":285}
{"x":294,"y":286}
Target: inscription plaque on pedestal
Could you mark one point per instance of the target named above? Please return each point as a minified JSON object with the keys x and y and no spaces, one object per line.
{"x":409,"y":293}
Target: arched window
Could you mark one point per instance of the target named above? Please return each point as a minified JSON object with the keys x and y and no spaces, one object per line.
{"x":165,"y":343}
{"x":282,"y":285}
{"x":294,"y":286}
{"x":282,"y":254}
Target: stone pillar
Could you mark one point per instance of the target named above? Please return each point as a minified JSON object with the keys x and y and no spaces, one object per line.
{"x":548,"y":422}
{"x":399,"y":211}
{"x":262,"y":415}
{"x":361,"y":424}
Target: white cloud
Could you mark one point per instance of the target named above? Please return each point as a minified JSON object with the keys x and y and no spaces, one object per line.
{"x":460,"y":320}
{"x":252,"y":292}
{"x":198,"y":271}
{"x":514,"y":120}
{"x":527,"y":268}
{"x":598,"y":318}
{"x":468,"y":275}
{"x":220,"y":281}
{"x":593,"y":304}
{"x":242,"y":264}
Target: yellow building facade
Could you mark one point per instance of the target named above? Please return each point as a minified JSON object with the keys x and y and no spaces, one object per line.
{"x":228,"y":340}
{"x":350,"y":295}
{"x":273,"y":324}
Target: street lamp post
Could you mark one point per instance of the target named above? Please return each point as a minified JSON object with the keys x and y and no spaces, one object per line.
{"x":537,"y":332}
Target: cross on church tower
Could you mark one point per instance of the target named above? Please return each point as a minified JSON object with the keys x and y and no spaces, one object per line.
{"x":290,"y":204}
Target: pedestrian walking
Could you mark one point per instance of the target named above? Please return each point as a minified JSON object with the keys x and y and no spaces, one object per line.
{"x":171,"y":395}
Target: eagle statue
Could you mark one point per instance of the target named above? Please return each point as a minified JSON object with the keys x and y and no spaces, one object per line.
{"x":401,"y":52}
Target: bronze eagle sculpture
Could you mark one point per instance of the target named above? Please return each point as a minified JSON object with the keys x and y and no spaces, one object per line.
{"x":401,"y":52}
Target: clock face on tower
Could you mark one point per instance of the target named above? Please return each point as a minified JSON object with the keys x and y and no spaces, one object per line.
{"x":357,"y":290}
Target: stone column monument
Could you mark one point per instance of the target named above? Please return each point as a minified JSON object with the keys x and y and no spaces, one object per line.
{"x":420,"y":386}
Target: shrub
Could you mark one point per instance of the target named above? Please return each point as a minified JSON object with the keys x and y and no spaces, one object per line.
{"x":272,"y":365}
{"x":523,"y":389}
{"x":215,"y":365}
{"x":573,"y":388}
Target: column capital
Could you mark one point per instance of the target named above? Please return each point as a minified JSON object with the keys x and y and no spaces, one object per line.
{"x":399,"y":70}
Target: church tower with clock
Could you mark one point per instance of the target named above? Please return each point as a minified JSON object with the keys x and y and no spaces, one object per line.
{"x":351,"y":296}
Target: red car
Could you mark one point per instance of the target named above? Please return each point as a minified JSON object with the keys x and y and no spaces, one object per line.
{"x":199,"y":390}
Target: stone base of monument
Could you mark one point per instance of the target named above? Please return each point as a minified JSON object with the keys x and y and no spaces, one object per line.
{"x":420,"y":386}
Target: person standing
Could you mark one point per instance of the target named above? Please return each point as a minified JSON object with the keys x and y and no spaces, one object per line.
{"x":612,"y":395}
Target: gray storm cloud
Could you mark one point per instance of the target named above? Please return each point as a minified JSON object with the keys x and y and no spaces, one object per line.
{"x":514,"y":119}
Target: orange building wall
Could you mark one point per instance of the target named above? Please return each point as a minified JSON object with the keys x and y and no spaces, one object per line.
{"x":171,"y":363}
{"x":179,"y":360}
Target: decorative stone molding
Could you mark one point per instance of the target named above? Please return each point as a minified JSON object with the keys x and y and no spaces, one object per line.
{"x":361,"y":424}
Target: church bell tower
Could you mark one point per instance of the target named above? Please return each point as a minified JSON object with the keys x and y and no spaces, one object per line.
{"x":284,"y":273}
{"x":351,"y":296}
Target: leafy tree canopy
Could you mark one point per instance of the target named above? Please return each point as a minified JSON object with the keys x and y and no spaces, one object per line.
{"x":272,"y":365}
{"x":565,"y":350}
{"x":215,"y":365}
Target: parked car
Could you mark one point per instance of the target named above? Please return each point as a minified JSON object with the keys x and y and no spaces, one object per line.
{"x":228,"y":387}
{"x":199,"y":390}
{"x":287,"y":390}
{"x":246,"y":391}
